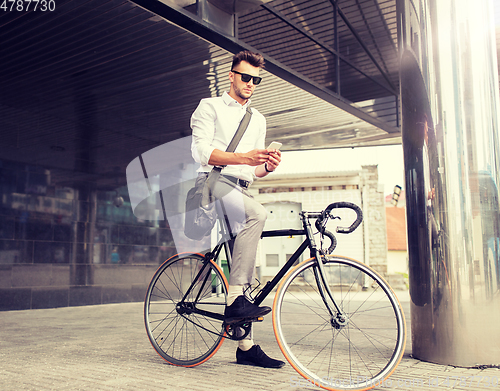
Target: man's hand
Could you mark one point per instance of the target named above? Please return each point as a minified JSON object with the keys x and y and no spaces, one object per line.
{"x":431,"y":194}
{"x":274,"y":159}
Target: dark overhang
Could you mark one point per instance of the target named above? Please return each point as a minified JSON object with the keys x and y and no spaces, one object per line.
{"x":87,"y":87}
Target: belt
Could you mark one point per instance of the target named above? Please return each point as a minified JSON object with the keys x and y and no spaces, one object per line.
{"x":240,"y":182}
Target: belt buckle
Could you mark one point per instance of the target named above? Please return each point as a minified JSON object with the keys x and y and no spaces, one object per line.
{"x":243,"y":183}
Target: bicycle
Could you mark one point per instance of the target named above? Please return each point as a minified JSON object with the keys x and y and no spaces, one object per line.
{"x":336,"y":320}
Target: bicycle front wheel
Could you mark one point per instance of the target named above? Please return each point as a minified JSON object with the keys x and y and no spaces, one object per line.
{"x":356,"y":351}
{"x":184,"y":309}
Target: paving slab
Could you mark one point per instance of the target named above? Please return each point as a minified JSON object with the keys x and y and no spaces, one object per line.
{"x":105,"y":347}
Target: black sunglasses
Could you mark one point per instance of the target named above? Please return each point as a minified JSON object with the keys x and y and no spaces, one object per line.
{"x":245,"y":77}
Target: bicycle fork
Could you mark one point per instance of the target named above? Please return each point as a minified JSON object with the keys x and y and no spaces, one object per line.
{"x":338,"y":319}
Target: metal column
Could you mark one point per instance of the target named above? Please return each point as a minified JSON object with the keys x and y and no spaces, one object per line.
{"x":450,"y":130}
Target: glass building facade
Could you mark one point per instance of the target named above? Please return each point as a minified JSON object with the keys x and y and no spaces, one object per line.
{"x":63,"y":245}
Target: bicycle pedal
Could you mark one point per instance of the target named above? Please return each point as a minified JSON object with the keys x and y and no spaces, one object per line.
{"x":253,"y":320}
{"x":238,"y":322}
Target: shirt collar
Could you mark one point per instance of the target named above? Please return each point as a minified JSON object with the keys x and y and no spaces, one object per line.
{"x":230,"y":101}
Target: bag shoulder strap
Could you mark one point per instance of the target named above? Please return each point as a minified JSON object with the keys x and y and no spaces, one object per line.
{"x":235,"y":140}
{"x":215,"y":173}
{"x":240,"y":131}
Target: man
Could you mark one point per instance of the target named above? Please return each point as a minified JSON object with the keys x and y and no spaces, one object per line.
{"x":214,"y":123}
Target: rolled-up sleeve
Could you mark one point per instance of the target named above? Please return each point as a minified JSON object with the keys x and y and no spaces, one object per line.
{"x":203,"y":126}
{"x":261,"y":139}
{"x":262,"y":133}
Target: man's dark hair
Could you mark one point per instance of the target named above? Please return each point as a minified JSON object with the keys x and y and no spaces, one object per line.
{"x":254,"y":59}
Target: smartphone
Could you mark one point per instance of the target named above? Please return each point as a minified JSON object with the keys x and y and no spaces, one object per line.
{"x":274,"y":145}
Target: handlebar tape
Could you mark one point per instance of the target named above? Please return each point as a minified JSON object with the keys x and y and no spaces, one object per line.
{"x":347,"y":205}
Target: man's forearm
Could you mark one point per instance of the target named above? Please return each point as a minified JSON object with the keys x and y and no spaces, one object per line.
{"x":221,"y":158}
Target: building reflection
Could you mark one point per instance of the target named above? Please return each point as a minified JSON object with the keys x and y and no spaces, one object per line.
{"x":64,"y":246}
{"x":450,"y":141}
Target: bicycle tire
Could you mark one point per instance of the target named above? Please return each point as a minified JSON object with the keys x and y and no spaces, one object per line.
{"x":359,"y":355}
{"x":183,"y":338}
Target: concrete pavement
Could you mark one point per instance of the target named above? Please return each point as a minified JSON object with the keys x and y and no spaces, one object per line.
{"x":105,"y":347}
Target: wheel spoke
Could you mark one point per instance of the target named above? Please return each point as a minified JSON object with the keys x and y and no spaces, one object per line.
{"x":354,"y":351}
{"x":177,"y":331}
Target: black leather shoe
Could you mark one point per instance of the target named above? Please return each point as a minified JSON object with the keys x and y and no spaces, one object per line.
{"x":243,"y":309}
{"x":255,"y":356}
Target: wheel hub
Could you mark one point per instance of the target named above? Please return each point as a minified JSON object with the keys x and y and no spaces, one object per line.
{"x":185,"y":308}
{"x":339,"y":321}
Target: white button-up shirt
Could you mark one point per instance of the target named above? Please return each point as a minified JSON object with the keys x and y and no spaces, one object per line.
{"x":214,"y":123}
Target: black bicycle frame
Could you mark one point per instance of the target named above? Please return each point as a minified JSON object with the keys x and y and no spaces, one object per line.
{"x":270,"y":285}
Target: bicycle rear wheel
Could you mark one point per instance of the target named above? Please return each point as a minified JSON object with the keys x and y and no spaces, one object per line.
{"x":186,"y":332}
{"x":355,"y":353}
